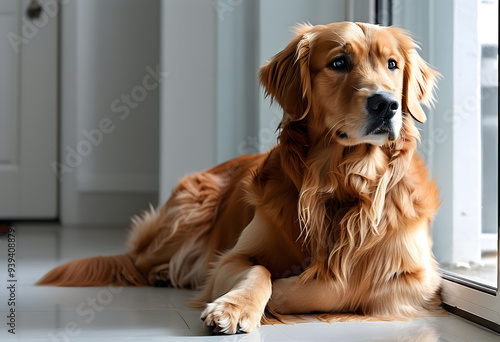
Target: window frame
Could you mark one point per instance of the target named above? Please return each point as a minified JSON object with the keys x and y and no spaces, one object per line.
{"x":437,"y":19}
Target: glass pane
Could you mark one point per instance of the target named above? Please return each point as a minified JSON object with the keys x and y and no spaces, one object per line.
{"x":485,"y":272}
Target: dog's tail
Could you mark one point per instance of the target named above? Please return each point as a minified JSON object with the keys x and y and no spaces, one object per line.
{"x":116,"y":270}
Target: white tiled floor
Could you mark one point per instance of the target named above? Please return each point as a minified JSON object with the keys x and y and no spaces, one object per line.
{"x":157,"y":314}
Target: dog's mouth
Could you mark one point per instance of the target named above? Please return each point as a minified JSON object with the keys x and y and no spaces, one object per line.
{"x":380,"y":130}
{"x":376,"y":131}
{"x":385,"y":128}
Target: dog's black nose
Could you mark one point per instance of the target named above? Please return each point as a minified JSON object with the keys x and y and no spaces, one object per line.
{"x":382,"y":104}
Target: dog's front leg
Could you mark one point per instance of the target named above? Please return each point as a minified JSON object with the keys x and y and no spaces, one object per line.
{"x":241,"y":288}
{"x":241,"y":309}
{"x":293,"y":296}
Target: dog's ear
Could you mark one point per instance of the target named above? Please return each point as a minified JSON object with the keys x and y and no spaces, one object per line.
{"x":286,"y":77}
{"x":419,"y":80}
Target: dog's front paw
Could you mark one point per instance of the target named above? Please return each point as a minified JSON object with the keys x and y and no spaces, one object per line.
{"x":232,"y":313}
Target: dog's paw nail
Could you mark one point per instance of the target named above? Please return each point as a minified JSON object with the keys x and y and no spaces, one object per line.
{"x":211,"y":328}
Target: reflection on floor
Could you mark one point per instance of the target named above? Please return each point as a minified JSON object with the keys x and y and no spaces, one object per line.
{"x":155,"y":314}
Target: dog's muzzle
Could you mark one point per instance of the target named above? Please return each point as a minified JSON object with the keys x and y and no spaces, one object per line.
{"x":381,"y":108}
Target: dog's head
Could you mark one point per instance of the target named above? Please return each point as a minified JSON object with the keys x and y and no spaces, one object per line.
{"x":353,"y":81}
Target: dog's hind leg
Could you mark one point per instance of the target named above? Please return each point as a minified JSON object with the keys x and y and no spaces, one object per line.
{"x":169,"y":237}
{"x":159,"y":275}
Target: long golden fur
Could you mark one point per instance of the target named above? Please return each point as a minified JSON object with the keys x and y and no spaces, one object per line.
{"x":334,"y":219}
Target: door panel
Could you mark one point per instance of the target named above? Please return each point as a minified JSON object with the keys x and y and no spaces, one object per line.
{"x":8,"y":86}
{"x":28,"y":112}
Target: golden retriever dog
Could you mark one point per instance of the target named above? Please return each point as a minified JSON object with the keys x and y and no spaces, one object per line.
{"x":334,"y":219}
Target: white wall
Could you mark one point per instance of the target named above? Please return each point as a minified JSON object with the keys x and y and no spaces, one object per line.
{"x":237,"y":84}
{"x":109,"y":109}
{"x":188,"y":94}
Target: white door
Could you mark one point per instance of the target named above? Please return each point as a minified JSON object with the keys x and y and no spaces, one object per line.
{"x":28,"y":110}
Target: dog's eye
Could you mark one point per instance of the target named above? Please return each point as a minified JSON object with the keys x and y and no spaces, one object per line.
{"x":339,"y":63}
{"x":392,"y":64}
